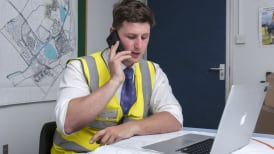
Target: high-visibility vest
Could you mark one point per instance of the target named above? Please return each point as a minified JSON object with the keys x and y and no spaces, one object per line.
{"x":97,"y":74}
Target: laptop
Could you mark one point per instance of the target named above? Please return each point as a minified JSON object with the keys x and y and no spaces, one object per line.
{"x":235,"y":129}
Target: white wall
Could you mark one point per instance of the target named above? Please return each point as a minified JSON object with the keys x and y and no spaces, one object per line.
{"x":20,"y":126}
{"x":249,"y":60}
{"x":99,"y":20}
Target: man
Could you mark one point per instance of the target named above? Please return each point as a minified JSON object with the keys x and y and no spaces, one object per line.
{"x":91,"y":110}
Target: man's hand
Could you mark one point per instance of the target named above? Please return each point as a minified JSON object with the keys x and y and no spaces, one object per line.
{"x":115,"y":60}
{"x":113,"y":134}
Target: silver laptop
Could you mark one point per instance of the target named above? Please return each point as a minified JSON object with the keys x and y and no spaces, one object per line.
{"x":235,"y":128}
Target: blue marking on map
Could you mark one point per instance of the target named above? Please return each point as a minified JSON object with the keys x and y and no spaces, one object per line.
{"x":62,"y":14}
{"x":50,"y":52}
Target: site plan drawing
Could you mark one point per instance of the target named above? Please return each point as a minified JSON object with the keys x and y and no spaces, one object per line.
{"x":37,"y":37}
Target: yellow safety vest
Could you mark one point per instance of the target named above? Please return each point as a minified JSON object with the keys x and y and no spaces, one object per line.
{"x":97,"y":74}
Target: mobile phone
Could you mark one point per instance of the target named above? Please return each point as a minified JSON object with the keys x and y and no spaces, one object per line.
{"x":112,"y":38}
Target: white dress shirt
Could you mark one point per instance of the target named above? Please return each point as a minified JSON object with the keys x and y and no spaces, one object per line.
{"x":73,"y":84}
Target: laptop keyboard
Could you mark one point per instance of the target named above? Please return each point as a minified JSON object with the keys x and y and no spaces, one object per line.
{"x":198,"y":148}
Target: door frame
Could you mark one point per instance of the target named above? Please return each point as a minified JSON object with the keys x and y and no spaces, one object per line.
{"x":229,"y":40}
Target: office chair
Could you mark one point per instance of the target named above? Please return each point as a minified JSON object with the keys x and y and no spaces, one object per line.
{"x":46,"y":137}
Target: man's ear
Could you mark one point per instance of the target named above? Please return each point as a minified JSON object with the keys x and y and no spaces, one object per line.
{"x":111,"y":29}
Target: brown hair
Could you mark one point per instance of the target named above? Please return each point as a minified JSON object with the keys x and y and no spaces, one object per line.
{"x":131,"y":11}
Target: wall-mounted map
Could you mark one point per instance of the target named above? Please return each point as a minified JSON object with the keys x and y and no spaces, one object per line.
{"x":37,"y":37}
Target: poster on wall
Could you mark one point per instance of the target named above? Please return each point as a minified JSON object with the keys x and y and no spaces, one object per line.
{"x":266,"y":22}
{"x":37,"y":37}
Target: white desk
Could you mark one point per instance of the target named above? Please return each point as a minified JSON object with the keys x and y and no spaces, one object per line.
{"x":134,"y":145}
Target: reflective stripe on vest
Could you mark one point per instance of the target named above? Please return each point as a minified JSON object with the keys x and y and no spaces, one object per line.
{"x":71,"y":146}
{"x":75,"y":142}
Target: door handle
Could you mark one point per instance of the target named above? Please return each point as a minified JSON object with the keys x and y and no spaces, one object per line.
{"x":221,"y":70}
{"x":216,"y":69}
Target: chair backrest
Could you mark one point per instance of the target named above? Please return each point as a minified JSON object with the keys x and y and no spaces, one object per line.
{"x":46,"y":137}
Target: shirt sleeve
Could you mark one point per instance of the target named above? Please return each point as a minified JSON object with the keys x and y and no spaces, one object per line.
{"x":72,"y":85}
{"x":162,"y":97}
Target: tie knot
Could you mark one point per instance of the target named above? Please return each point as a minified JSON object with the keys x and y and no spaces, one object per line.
{"x":128,"y":73}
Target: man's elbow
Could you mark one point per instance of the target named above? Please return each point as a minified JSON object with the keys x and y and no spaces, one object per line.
{"x":178,"y":126}
{"x":68,"y":129}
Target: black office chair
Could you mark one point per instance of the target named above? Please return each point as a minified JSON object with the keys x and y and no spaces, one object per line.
{"x":46,"y":137}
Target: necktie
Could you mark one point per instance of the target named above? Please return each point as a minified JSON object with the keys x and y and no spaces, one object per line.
{"x":128,"y":93}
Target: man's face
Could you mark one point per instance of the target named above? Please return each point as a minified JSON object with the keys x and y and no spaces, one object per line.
{"x":135,"y":38}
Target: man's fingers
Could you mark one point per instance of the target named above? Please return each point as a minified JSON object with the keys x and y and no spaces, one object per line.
{"x":97,"y":137}
{"x":113,"y":49}
{"x":105,"y":139}
{"x":111,"y":140}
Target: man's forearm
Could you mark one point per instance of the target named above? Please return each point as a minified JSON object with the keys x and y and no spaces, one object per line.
{"x":162,"y":122}
{"x":84,"y":109}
